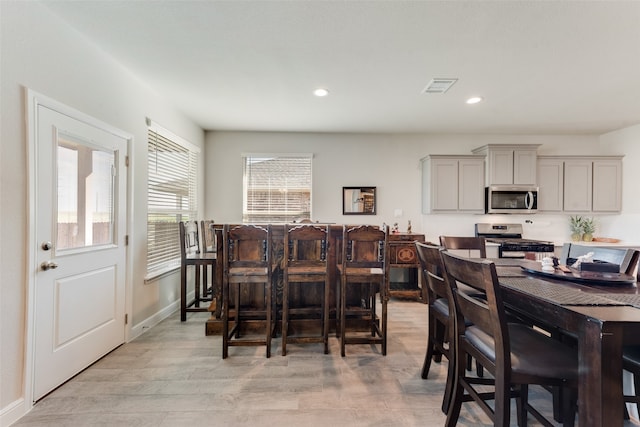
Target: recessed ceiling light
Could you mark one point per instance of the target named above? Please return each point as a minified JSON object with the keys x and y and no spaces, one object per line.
{"x":321,"y":92}
{"x":474,"y":100}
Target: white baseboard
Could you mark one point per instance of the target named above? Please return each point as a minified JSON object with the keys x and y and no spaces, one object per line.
{"x":151,"y":321}
{"x":13,"y":412}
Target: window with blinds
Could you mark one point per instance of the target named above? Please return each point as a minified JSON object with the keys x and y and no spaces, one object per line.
{"x":172,"y":197}
{"x":277,"y":188}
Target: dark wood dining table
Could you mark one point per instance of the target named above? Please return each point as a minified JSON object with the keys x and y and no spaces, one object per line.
{"x":603,"y":316}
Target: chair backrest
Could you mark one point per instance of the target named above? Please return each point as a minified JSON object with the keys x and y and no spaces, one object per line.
{"x":208,"y":238}
{"x":365,"y":246}
{"x":465,"y":243}
{"x":627,"y":259}
{"x":247,"y":245}
{"x":305,"y":245}
{"x":189,"y":239}
{"x":432,"y":271}
{"x":483,"y":308}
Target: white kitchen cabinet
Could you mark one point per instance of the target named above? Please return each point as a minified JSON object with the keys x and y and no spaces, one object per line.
{"x":550,"y":184}
{"x":510,"y":164}
{"x":580,"y":184}
{"x":607,"y":185}
{"x":453,"y":184}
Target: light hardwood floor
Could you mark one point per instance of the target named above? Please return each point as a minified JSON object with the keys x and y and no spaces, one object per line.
{"x":173,"y":375}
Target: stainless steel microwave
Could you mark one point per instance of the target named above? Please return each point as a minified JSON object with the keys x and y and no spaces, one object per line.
{"x":506,"y":199}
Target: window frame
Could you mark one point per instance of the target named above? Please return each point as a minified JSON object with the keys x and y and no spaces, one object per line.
{"x":283,"y":215}
{"x":163,"y":246}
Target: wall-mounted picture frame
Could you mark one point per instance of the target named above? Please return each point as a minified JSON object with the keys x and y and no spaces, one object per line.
{"x":358,"y":200}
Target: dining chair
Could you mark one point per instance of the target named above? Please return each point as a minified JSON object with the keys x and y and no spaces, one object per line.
{"x":475,"y":245}
{"x":515,"y":354}
{"x":247,"y":260}
{"x":191,"y":255}
{"x":626,"y":258}
{"x":439,"y":315}
{"x":631,"y":363}
{"x":364,"y":273}
{"x":305,"y":266}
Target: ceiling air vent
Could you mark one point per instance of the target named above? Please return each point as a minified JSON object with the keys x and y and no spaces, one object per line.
{"x":439,"y":85}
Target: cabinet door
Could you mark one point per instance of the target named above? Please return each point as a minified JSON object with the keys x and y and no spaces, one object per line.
{"x":471,"y":185}
{"x":551,"y":184}
{"x":444,"y":185}
{"x":524,"y":167}
{"x":500,"y":166}
{"x":578,"y":175}
{"x":607,"y":185}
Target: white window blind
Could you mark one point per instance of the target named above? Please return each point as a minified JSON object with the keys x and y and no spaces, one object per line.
{"x":172,"y":196}
{"x":277,"y":187}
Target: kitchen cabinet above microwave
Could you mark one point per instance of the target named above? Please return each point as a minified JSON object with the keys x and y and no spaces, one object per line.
{"x":510,"y":164}
{"x":579,"y":184}
{"x":452,"y":184}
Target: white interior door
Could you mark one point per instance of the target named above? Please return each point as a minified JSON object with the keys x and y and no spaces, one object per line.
{"x":80,"y":261}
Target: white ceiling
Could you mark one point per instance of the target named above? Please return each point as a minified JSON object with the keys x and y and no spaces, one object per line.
{"x":543,"y":67}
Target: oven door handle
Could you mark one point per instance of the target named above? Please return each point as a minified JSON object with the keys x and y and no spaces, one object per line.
{"x":528,"y":200}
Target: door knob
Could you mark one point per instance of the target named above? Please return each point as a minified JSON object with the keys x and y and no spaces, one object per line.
{"x":47,"y":246}
{"x":48,"y":265}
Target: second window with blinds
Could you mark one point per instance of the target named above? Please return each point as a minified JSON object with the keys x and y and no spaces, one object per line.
{"x":276,"y":188}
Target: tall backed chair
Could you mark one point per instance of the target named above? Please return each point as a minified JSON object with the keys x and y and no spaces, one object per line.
{"x":191,"y":255}
{"x":439,"y":315}
{"x":626,"y":258}
{"x":247,"y":260}
{"x":364,"y":270}
{"x":515,"y":354}
{"x":306,"y":266}
{"x":475,"y":245}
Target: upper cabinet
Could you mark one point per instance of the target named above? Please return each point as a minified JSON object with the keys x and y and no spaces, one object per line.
{"x":452,"y":184}
{"x":510,"y":164}
{"x":580,"y":184}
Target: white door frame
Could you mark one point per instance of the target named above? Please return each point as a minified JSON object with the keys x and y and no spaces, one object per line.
{"x":32,"y":101}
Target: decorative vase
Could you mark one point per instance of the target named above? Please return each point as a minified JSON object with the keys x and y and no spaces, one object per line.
{"x":587,"y":237}
{"x":576,"y":237}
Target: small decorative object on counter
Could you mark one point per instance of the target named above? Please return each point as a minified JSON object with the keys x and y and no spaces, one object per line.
{"x":575,"y":224}
{"x":547,"y":264}
{"x":588,"y":228}
{"x":409,"y":227}
{"x":394,"y":229}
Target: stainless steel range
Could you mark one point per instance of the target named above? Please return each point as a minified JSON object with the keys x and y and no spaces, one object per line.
{"x":510,"y":241}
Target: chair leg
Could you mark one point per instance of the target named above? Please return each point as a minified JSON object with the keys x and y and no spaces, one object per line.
{"x":197,"y":285}
{"x":285,"y":315}
{"x":521,"y":405}
{"x":325,"y":317}
{"x":457,"y":395}
{"x":183,"y":293}
{"x":225,"y":319}
{"x":448,"y":391}
{"x":269,"y":309}
{"x":384,"y":325}
{"x":343,"y":315}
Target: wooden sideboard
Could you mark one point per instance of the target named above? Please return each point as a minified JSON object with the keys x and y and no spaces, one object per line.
{"x":403,"y":255}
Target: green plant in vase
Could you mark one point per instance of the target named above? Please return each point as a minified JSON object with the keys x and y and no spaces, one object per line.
{"x":588,"y":228}
{"x":575,"y":223}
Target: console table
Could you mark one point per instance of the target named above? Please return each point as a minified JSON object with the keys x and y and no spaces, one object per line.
{"x":403,"y":255}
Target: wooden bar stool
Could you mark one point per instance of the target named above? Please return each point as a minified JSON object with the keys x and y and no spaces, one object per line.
{"x":305,"y":264}
{"x":191,"y":255}
{"x":247,"y":260}
{"x":364,"y":269}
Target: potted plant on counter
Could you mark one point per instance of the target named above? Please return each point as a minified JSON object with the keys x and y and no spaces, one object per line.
{"x":588,"y":228}
{"x":575,"y":224}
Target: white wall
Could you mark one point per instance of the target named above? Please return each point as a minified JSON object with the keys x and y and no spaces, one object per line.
{"x":392,"y":163}
{"x":42,"y":53}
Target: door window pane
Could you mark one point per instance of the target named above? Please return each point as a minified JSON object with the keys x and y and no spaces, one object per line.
{"x":85,"y":194}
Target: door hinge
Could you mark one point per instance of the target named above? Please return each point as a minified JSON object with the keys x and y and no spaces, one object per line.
{"x":126,"y":161}
{"x":126,"y":318}
{"x":126,"y":240}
